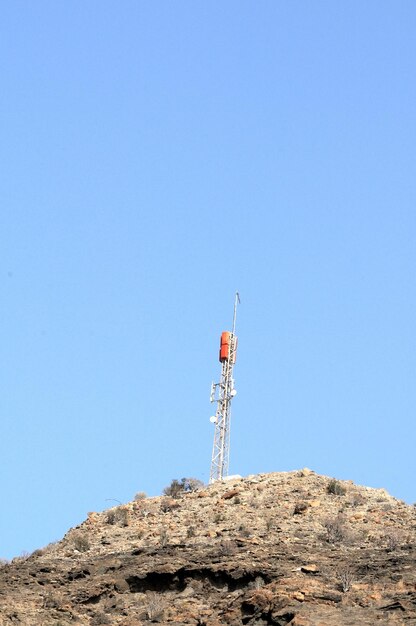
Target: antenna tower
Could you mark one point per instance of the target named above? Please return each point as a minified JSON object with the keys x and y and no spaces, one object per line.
{"x":222,"y":393}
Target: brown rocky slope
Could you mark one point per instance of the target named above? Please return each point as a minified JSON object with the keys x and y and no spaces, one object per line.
{"x":284,"y":548}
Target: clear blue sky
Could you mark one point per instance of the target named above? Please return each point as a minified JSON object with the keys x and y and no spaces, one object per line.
{"x":155,"y":157}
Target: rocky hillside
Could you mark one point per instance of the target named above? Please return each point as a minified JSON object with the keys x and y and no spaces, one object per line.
{"x":287,"y":548}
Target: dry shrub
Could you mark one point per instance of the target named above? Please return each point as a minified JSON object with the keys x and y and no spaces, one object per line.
{"x":335,"y":488}
{"x":218,"y":517}
{"x":356,"y":499}
{"x":190,"y":532}
{"x":346,"y":577}
{"x":81,"y":542}
{"x":269,"y":520}
{"x":168,"y":504}
{"x":258,"y":583}
{"x":156,"y":606}
{"x":336,"y":531}
{"x":174,"y":490}
{"x":51,"y":602}
{"x":192,"y":484}
{"x":119,"y":516}
{"x":185,"y":485}
{"x":38,"y":552}
{"x":163,"y":537}
{"x":393,"y":539}
{"x":244,"y":531}
{"x":227,"y":548}
{"x":300,"y":507}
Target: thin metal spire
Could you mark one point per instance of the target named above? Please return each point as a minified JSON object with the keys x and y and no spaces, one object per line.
{"x":236,"y":301}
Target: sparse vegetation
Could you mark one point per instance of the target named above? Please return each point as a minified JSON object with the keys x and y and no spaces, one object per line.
{"x":163,"y":537}
{"x":392,"y":540}
{"x":175,"y":489}
{"x":50,"y":601}
{"x":218,"y":517}
{"x":336,"y":488}
{"x":81,"y":542}
{"x":180,"y":555}
{"x":300,"y":507}
{"x":119,"y":515}
{"x":111,"y":517}
{"x":51,"y":547}
{"x":335,"y":529}
{"x":356,"y":499}
{"x":122,"y":516}
{"x":244,"y":531}
{"x":167,"y":505}
{"x":190,"y":532}
{"x":227,"y":548}
{"x":346,"y":577}
{"x":156,"y":606}
{"x":140,"y":495}
{"x":22,"y":557}
{"x":258,"y":582}
{"x":192,"y":484}
{"x":185,"y":485}
{"x":38,"y":552}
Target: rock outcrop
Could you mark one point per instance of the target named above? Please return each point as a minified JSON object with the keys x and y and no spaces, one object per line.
{"x":286,"y":548}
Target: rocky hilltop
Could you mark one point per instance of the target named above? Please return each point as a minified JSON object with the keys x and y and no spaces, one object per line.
{"x":285,"y":548}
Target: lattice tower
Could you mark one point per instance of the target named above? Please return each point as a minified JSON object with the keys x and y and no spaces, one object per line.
{"x":222,"y":393}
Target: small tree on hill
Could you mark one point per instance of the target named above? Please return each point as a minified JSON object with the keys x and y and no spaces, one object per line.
{"x":185,"y":485}
{"x":174,"y":490}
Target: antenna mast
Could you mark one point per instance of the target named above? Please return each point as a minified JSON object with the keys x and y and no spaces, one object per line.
{"x":222,"y":393}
